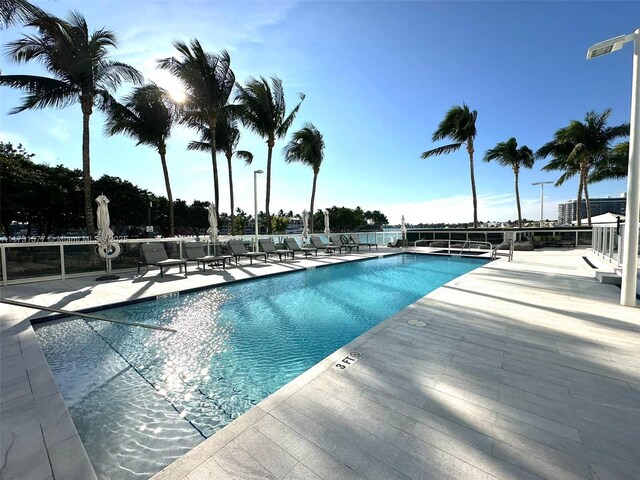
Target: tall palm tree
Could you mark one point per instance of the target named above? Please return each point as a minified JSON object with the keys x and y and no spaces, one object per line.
{"x":509,"y":155}
{"x":148,"y":114}
{"x":614,"y":166}
{"x":579,"y":146}
{"x":307,"y":147}
{"x":81,"y":72}
{"x":227,"y":138}
{"x":208,"y":82}
{"x":459,"y":124}
{"x":263,"y":110}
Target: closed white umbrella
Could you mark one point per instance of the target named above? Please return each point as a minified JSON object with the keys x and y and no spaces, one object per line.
{"x":107,"y":249}
{"x":305,"y":226}
{"x":403,"y":230}
{"x":327,"y":230}
{"x":213,"y":226}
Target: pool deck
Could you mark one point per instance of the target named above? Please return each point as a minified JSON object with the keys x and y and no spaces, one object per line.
{"x":523,"y":370}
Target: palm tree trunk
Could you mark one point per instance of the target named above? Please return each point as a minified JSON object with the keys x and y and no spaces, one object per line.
{"x":214,"y":163}
{"x":270,"y":144}
{"x":162,"y":151}
{"x":473,"y":184}
{"x":86,"y":168}
{"x":583,"y":175}
{"x":313,"y":197}
{"x":579,"y":203}
{"x":515,"y":172}
{"x":229,"y":155}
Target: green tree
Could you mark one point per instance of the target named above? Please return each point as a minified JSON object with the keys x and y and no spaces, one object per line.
{"x":147,"y":116}
{"x":508,"y":154}
{"x":307,"y":147}
{"x":128,"y":203}
{"x":376,"y":218}
{"x":459,"y":124}
{"x":614,"y":166}
{"x":208,"y":82}
{"x":578,"y":147}
{"x":241,"y":221}
{"x":227,"y":138}
{"x":81,"y":73}
{"x":263,"y":110}
{"x":279,"y":224}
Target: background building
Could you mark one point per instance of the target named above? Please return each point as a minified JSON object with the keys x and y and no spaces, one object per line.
{"x":567,"y":211}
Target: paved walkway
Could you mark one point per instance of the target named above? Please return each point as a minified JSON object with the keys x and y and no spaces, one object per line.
{"x":520,"y":370}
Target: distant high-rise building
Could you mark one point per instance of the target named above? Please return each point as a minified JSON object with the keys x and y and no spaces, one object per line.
{"x":567,"y":211}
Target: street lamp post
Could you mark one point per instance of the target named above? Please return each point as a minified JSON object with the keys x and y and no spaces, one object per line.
{"x":630,"y":250}
{"x":255,"y":206}
{"x":542,"y":184}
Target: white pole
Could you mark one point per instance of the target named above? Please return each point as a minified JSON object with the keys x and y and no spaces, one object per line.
{"x":541,"y":203}
{"x":630,"y":258}
{"x":255,"y":209}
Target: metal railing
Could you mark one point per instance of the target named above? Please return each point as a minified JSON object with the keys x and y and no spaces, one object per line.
{"x":607,"y":241}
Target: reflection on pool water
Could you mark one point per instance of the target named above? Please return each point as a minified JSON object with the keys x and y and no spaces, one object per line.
{"x":141,"y":398}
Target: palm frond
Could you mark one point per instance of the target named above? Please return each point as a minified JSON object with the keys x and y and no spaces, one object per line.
{"x":453,"y":147}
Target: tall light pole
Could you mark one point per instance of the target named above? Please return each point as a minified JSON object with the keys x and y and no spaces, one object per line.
{"x":542,"y":184}
{"x":630,"y":250}
{"x":255,"y":206}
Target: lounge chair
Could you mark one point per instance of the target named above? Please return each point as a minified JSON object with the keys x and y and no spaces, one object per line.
{"x":293,"y":245}
{"x":195,"y":252}
{"x":155,"y":254}
{"x":239,"y":250}
{"x":338,"y":243}
{"x":398,"y":243}
{"x":317,"y":243}
{"x":268,"y":247}
{"x":355,"y":238}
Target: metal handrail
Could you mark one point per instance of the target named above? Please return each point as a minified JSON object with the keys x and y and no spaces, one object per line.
{"x":83,"y":315}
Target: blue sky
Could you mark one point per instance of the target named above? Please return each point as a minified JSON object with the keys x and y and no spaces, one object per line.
{"x":378,"y":78}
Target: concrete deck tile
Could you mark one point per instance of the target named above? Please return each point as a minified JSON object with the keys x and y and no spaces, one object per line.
{"x":300,"y":472}
{"x":65,"y":465}
{"x":239,"y":464}
{"x":275,"y":460}
{"x":209,"y":470}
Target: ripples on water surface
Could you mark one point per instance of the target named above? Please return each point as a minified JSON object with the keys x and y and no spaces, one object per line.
{"x":141,"y":398}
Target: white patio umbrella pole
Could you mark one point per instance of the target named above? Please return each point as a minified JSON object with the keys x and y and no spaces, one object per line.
{"x":630,"y":250}
{"x":327,"y":230}
{"x":305,"y":226}
{"x":403,"y":231}
{"x":213,"y":226}
{"x":104,"y":236}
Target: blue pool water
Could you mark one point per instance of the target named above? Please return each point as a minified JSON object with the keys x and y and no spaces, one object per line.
{"x":141,"y":398}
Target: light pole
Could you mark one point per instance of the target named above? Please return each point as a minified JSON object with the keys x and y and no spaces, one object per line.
{"x":542,"y":184}
{"x":255,"y":206}
{"x":630,"y":250}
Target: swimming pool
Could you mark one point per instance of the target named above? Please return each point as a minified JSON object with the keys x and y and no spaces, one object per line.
{"x":141,"y":398}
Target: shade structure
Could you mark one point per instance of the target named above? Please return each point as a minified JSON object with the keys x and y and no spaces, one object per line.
{"x":305,"y":226}
{"x":107,"y":248}
{"x":327,"y":230}
{"x":213,"y":225}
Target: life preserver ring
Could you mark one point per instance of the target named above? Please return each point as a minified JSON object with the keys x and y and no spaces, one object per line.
{"x":112,"y":251}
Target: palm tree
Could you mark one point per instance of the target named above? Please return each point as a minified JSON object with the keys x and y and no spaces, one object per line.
{"x":307,"y":147}
{"x":14,"y":11}
{"x":614,"y":166}
{"x":509,"y":155}
{"x":578,"y":147}
{"x":459,"y":124}
{"x":208,"y":82}
{"x":263,"y":110}
{"x":227,"y":138}
{"x":147,"y":116}
{"x":81,"y":73}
